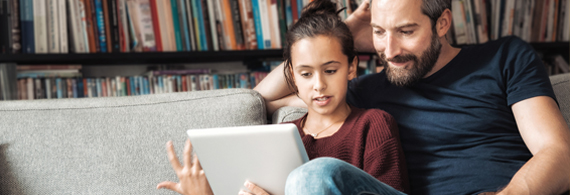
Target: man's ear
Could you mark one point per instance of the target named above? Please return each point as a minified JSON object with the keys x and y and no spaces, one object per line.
{"x":443,"y":23}
{"x":352,"y":68}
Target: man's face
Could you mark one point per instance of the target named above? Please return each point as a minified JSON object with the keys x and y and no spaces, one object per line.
{"x":404,"y":40}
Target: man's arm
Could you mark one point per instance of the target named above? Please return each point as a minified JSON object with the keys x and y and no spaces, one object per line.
{"x":547,"y":136}
{"x":273,"y":88}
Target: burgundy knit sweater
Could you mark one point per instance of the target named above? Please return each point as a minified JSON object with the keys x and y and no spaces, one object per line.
{"x":369,"y":140}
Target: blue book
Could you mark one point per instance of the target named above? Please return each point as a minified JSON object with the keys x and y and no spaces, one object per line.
{"x":176,"y":22}
{"x":27,"y":26}
{"x":178,"y":83}
{"x":101,"y":25}
{"x":258,"y":27}
{"x":243,"y":80}
{"x":58,"y":88}
{"x":146,"y":86}
{"x":300,"y":6}
{"x":288,"y":12}
{"x":198,"y":10}
{"x":132,"y":89}
{"x":185,"y":29}
{"x":141,"y":85}
{"x":252,"y":79}
{"x":160,"y":84}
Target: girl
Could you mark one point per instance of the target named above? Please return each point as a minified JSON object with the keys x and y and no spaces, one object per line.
{"x":319,"y":60}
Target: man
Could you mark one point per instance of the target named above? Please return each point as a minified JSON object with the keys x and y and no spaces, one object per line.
{"x":472,"y":120}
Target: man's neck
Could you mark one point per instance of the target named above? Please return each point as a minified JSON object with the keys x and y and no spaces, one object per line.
{"x":445,"y":56}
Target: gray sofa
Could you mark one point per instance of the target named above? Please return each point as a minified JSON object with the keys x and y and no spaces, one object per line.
{"x":116,"y":145}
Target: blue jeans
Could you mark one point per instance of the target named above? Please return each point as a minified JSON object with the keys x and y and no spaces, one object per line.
{"x":332,"y":176}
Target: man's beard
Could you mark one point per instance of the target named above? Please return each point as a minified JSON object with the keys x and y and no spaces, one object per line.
{"x":420,"y":67}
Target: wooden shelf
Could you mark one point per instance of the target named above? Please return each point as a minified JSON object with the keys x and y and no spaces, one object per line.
{"x":143,"y":57}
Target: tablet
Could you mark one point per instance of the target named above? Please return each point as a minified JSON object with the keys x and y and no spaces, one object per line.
{"x":263,"y":154}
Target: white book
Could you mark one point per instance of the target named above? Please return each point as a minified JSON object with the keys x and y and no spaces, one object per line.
{"x":78,"y":43}
{"x":459,"y":23}
{"x":40,"y":26}
{"x":219,"y":18}
{"x":30,"y":88}
{"x":265,"y":24}
{"x":108,"y":86}
{"x":275,"y":30}
{"x":164,"y":30}
{"x":470,"y":21}
{"x":482,"y":27}
{"x":62,"y":15}
{"x":496,"y":19}
{"x":83,"y":25}
{"x":48,"y":88}
{"x":213,"y":30}
{"x":53,"y":26}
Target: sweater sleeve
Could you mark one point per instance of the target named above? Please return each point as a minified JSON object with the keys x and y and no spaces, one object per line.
{"x":383,"y":156}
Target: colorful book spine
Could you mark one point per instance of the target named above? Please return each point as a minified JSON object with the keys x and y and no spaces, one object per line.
{"x":184,"y":24}
{"x":212,"y":26}
{"x":258,"y":25}
{"x":176,"y":23}
{"x":101,"y":26}
{"x":40,"y":26}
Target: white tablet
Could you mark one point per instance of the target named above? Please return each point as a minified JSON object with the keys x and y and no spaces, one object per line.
{"x":264,"y":155}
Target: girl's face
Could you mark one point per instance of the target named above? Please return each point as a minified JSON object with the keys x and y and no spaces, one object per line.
{"x":321,"y":72}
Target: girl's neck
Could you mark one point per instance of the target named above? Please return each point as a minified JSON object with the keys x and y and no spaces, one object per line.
{"x":317,"y":121}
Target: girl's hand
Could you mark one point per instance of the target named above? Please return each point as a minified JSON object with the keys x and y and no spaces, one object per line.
{"x":255,"y":190}
{"x":359,"y":24}
{"x":191,"y":176}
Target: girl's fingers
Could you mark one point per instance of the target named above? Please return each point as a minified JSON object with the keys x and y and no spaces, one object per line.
{"x":188,"y":154}
{"x":168,"y":185}
{"x":255,"y":189}
{"x":172,"y":157}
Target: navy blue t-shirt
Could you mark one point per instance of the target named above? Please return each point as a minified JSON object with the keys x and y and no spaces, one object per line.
{"x":457,"y":128}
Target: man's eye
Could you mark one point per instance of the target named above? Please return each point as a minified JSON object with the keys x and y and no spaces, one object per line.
{"x":409,"y":32}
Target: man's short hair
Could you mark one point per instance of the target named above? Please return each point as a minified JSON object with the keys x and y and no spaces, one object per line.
{"x":433,"y":8}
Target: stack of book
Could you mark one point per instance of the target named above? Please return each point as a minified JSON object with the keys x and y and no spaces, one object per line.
{"x":100,"y":26}
{"x":478,"y":21}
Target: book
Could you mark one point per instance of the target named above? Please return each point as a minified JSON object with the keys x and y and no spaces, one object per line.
{"x":176,"y":24}
{"x":190,"y":20}
{"x":107,"y":23}
{"x":101,"y":27}
{"x":265,"y":23}
{"x":156,"y":25}
{"x":47,"y":67}
{"x":63,"y":27}
{"x":183,"y":15}
{"x":229,"y":31}
{"x":274,"y":24}
{"x":15,"y":36}
{"x":258,"y":24}
{"x":459,"y":25}
{"x":113,"y":26}
{"x":53,"y":27}
{"x":90,"y":25}
{"x":213,"y":26}
{"x":40,"y":26}
{"x":236,"y":20}
{"x":27,"y":23}
{"x":142,"y":21}
{"x":248,"y":24}
{"x":481,"y":20}
{"x":206,"y":21}
{"x":123,"y":26}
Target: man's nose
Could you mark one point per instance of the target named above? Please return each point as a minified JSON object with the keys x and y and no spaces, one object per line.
{"x":393,"y":48}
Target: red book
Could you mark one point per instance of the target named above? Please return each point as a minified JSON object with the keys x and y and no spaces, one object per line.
{"x":184,"y":86}
{"x":85,"y":88}
{"x":155,"y":25}
{"x":128,"y":81}
{"x":103,"y":88}
{"x":294,"y":10}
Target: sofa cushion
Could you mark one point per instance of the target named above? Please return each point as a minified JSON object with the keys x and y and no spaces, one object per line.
{"x":561,"y":86}
{"x":109,"y":145}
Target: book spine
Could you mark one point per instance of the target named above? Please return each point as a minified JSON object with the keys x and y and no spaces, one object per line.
{"x":82,"y":17}
{"x":228,"y":25}
{"x":265,"y":23}
{"x":93,"y":15}
{"x":219,"y":15}
{"x":240,"y":43}
{"x":199,"y":20}
{"x":196,"y":23}
{"x":40,"y":26}
{"x":258,"y":25}
{"x":155,"y":25}
{"x":190,"y":20}
{"x":90,"y":26}
{"x":206,"y":22}
{"x":282,"y":22}
{"x":274,"y":24}
{"x":27,"y":19}
{"x":213,"y":28}
{"x":107,"y":23}
{"x":15,"y":33}
{"x":114,"y":26}
{"x":145,"y":25}
{"x":123,"y":26}
{"x":176,"y":23}
{"x":288,"y":12}
{"x":167,"y":7}
{"x":247,"y":24}
{"x":101,"y":26}
{"x":184,"y":25}
{"x":53,"y":27}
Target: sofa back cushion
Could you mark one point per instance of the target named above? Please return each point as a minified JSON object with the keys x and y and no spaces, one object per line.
{"x":109,"y":145}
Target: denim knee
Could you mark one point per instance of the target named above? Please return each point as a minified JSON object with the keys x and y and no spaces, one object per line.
{"x":315,"y":177}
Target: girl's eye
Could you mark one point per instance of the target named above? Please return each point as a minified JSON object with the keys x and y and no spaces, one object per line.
{"x":305,"y":74}
{"x":330,"y":71}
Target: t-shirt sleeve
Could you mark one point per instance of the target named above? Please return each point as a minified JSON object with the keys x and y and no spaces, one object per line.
{"x":383,"y":156}
{"x":524,"y":73}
